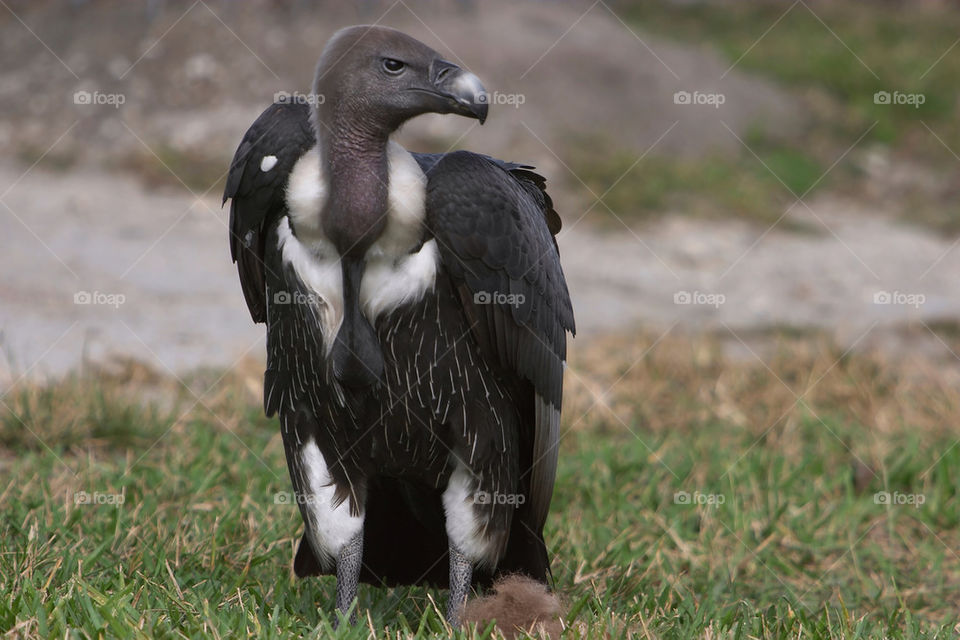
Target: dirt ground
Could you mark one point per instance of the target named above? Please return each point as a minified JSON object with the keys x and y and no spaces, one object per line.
{"x":157,"y":268}
{"x":148,"y":249}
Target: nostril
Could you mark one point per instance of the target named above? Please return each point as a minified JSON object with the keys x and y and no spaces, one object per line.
{"x":443,"y":69}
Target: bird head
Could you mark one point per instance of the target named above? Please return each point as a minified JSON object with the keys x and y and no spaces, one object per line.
{"x":380,"y":77}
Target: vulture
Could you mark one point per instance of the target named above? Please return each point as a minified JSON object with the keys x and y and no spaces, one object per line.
{"x":416,"y":317}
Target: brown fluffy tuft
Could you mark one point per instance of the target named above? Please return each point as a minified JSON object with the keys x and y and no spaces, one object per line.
{"x":519,"y":605}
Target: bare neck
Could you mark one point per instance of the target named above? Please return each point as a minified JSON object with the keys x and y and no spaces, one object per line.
{"x":354,"y":159}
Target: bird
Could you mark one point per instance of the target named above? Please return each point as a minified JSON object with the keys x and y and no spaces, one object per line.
{"x":416,"y":318}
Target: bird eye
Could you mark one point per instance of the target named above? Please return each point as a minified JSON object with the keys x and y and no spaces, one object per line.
{"x":392,"y":66}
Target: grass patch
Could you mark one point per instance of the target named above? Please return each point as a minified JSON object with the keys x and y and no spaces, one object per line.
{"x":172,"y":167}
{"x":846,"y":50}
{"x":51,"y":159}
{"x":834,"y":60}
{"x":696,"y":498}
{"x":710,"y":187}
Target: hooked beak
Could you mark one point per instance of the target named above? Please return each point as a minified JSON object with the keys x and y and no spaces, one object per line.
{"x":460,"y":91}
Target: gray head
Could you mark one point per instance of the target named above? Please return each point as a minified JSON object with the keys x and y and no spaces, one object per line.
{"x":377,"y":78}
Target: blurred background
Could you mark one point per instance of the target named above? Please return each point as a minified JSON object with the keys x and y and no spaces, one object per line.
{"x":761,"y":215}
{"x":742,"y":151}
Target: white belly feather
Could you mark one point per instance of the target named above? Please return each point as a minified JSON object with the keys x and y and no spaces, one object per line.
{"x":393,"y":276}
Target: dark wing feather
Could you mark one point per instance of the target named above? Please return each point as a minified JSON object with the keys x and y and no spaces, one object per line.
{"x":258,"y":197}
{"x":494,"y":225}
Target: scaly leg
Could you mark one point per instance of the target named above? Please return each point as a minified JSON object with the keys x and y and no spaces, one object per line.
{"x":348,"y":575}
{"x":461,"y":574}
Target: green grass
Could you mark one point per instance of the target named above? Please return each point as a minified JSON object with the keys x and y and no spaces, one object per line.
{"x":715,"y":187}
{"x":166,"y":166}
{"x":845,"y":50}
{"x":797,"y":549}
{"x":814,"y":57}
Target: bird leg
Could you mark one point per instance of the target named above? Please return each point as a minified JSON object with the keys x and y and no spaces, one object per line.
{"x":461,"y":575}
{"x":348,"y":575}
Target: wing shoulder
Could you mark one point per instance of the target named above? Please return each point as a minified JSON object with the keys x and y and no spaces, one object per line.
{"x":256,"y":185}
{"x":495,"y":225}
